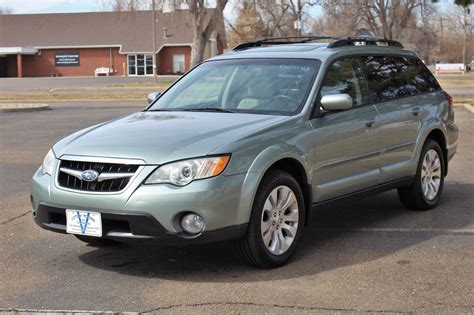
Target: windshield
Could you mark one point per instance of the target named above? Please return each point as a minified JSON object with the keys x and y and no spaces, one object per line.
{"x":261,"y":86}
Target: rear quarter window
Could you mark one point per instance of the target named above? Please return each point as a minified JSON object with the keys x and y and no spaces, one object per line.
{"x":392,"y":77}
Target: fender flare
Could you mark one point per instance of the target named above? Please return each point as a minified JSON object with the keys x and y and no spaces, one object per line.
{"x":426,"y":129}
{"x":264,"y":161}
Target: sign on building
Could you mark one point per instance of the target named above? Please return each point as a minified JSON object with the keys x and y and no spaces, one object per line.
{"x":67,"y":59}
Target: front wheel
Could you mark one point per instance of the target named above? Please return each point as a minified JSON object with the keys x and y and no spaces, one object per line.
{"x":425,"y":192}
{"x":276,"y":222}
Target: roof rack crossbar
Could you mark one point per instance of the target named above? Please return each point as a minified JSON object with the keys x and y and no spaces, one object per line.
{"x":339,"y":41}
{"x":282,"y":41}
{"x":350,"y":41}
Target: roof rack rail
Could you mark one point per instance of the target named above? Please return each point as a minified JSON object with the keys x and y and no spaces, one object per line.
{"x":368,"y":40}
{"x":340,"y":41}
{"x":282,"y":41}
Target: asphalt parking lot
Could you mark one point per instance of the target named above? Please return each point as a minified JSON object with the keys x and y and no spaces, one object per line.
{"x":369,"y":255}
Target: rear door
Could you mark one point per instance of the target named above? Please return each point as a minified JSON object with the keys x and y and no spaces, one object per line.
{"x":396,"y":85}
{"x":346,"y":150}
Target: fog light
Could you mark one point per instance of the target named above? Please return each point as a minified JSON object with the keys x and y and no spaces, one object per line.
{"x":192,"y":223}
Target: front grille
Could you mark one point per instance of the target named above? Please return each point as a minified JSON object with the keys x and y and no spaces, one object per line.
{"x":123,"y":172}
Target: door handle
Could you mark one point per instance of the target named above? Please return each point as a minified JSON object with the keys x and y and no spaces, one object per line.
{"x":369,"y":123}
{"x":415,"y":111}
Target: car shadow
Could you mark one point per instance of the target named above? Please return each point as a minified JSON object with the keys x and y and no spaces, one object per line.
{"x":341,"y":234}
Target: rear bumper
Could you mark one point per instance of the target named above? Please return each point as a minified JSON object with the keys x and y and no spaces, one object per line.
{"x":130,"y":227}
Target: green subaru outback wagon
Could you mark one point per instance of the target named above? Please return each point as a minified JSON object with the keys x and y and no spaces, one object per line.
{"x":244,"y":146}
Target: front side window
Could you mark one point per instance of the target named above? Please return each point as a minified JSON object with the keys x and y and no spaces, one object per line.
{"x":261,"y":86}
{"x":345,"y":76}
{"x":392,"y":77}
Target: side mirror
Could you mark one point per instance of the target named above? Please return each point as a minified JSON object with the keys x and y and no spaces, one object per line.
{"x":336,"y":102}
{"x":153,"y":96}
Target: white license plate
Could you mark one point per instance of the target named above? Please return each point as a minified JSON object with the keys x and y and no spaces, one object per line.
{"x":83,"y":222}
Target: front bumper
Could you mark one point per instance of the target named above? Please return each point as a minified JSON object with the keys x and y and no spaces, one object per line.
{"x":143,"y":212}
{"x":130,"y":227}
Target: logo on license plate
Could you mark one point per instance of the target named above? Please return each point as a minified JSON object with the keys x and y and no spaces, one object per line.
{"x":83,"y":224}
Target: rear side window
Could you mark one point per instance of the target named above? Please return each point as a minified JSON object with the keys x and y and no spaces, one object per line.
{"x":345,"y":76}
{"x":392,"y":77}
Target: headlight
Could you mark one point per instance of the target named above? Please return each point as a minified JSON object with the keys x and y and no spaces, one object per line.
{"x":183,"y":172}
{"x":48,"y":162}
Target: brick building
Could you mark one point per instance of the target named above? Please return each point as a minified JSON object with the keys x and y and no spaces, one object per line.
{"x":118,"y":43}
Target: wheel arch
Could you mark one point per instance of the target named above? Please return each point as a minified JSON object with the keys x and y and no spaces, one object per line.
{"x":296,"y":169}
{"x":287,"y":160}
{"x":438,"y":136}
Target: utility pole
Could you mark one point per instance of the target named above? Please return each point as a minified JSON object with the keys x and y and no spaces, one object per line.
{"x":467,"y":13}
{"x":153,"y":14}
{"x":300,"y":22}
{"x":470,"y":39}
{"x":464,"y":39}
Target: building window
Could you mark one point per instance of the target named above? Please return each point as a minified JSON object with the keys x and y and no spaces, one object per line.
{"x":132,"y":65}
{"x":140,"y":64}
{"x":149,"y":64}
{"x":178,"y":63}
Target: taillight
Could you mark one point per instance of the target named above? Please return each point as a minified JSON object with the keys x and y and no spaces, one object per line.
{"x":449,"y":98}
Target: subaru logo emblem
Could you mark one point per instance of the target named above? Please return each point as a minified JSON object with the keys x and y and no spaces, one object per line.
{"x":89,"y":175}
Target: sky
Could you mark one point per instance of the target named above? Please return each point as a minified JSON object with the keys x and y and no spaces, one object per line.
{"x":49,"y":6}
{"x":63,"y":6}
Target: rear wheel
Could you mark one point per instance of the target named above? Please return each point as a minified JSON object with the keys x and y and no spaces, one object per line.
{"x":96,"y":241}
{"x":276,"y":222}
{"x":425,"y":192}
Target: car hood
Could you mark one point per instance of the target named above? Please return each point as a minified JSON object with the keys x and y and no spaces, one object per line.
{"x":160,"y":137}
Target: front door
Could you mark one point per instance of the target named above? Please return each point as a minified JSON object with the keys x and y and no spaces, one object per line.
{"x":346,"y":149}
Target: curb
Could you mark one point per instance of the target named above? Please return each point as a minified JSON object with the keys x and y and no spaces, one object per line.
{"x":469,"y":107}
{"x":22,"y":107}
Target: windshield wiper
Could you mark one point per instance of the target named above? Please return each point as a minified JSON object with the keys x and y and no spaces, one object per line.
{"x":208,"y":109}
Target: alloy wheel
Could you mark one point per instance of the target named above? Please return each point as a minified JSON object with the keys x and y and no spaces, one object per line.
{"x":279,"y":222}
{"x":431,"y":174}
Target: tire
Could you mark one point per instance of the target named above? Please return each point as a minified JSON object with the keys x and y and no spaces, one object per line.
{"x":422,"y":195}
{"x":282,"y":226}
{"x":96,"y":241}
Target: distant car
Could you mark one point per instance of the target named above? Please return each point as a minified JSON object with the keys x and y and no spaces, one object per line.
{"x":247,"y":144}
